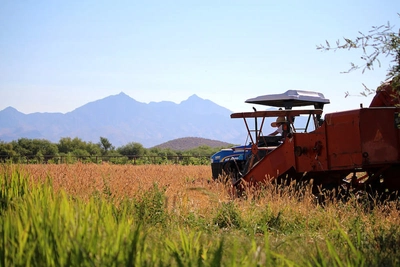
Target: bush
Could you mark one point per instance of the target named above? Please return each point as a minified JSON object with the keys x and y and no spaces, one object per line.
{"x":150,"y":208}
{"x":228,"y":216}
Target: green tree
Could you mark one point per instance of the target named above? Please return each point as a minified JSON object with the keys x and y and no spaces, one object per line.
{"x":162,"y":152}
{"x":380,"y":41}
{"x":105,"y":145}
{"x":132,"y":148}
{"x":93,"y":149}
{"x":68,"y":145}
{"x":45,"y":147}
{"x":7,"y":150}
{"x":80,"y":153}
{"x":154,"y":151}
{"x":32,"y":147}
{"x":23,"y":147}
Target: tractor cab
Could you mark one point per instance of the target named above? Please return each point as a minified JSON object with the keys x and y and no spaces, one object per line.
{"x":290,"y":109}
{"x":291,"y":106}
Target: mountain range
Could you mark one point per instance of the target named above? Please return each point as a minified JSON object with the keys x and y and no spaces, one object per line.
{"x":122,"y":119}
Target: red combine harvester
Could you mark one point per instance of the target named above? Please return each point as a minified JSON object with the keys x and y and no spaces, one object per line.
{"x":357,"y":149}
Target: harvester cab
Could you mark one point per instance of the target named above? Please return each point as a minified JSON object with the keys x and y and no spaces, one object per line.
{"x":236,"y":161}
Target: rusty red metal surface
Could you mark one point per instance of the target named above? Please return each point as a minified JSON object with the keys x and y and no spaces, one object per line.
{"x":362,"y":140}
{"x":358,"y":147}
{"x":385,"y":96}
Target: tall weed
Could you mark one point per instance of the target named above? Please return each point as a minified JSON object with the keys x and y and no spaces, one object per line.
{"x":150,"y":206}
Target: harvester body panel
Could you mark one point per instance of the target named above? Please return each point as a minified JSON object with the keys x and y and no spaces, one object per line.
{"x":355,"y":148}
{"x":367,"y":140}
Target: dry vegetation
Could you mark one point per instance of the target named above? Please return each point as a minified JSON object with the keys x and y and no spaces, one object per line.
{"x":287,"y":222}
{"x":188,"y":187}
{"x":191,"y":189}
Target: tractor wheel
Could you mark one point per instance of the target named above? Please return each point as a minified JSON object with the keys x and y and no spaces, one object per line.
{"x":225,"y":175}
{"x":233,"y":177}
{"x":230,"y":171}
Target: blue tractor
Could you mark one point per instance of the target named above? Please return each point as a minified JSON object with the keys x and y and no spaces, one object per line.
{"x":233,"y":161}
{"x":228,"y":159}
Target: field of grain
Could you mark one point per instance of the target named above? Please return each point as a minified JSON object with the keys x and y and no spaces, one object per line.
{"x":93,"y":214}
{"x":188,"y":187}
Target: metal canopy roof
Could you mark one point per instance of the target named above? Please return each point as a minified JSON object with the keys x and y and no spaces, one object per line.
{"x":275,"y":113}
{"x":291,"y":98}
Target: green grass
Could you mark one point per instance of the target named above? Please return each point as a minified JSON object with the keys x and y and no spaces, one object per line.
{"x":42,"y":227}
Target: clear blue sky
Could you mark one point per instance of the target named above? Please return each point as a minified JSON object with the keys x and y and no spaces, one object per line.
{"x":56,"y":56}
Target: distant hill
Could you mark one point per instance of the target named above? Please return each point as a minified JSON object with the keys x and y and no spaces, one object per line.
{"x":187,"y":143}
{"x":121,"y":119}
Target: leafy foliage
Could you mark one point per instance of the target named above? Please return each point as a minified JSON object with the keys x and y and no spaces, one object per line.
{"x":69,"y":150}
{"x":228,"y":216}
{"x":132,"y":148}
{"x":105,"y":145}
{"x":150,"y":206}
{"x":380,"y":41}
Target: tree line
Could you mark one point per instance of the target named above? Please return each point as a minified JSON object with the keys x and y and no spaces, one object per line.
{"x":70,"y":150}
